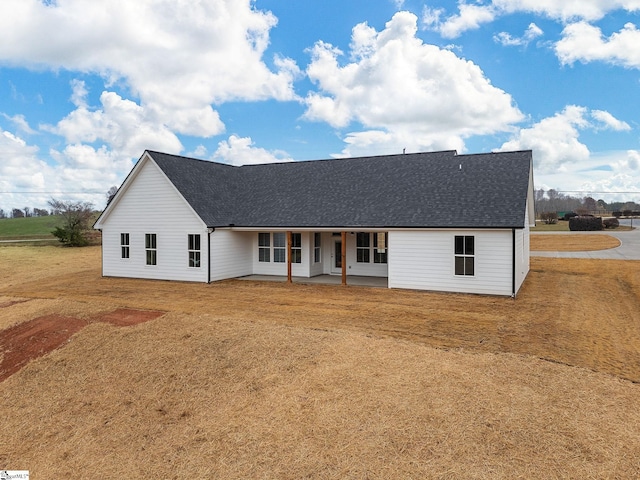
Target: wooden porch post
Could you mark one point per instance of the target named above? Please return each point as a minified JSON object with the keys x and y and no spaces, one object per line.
{"x":289,"y":280}
{"x":343,"y":253}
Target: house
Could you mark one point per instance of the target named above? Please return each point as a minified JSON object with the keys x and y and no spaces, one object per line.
{"x":429,"y":221}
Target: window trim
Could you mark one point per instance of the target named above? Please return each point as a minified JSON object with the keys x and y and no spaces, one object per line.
{"x":125,"y":246}
{"x":296,"y":247}
{"x":264,"y":249}
{"x":370,"y":253}
{"x":317,"y":247}
{"x":280,"y":249}
{"x":194,"y":250}
{"x":151,"y":249}
{"x":466,"y":254}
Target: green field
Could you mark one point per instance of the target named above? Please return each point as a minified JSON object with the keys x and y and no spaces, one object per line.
{"x":30,"y":227}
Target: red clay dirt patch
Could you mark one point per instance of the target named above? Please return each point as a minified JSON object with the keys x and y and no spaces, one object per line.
{"x":29,"y":340}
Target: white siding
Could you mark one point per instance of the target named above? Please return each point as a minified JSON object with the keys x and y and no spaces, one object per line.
{"x":231,"y":254}
{"x":522,"y":252}
{"x":152,"y":205}
{"x":424,"y":260}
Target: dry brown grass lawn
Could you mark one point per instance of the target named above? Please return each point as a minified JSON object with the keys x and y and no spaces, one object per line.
{"x":572,"y":242}
{"x":265,"y":380}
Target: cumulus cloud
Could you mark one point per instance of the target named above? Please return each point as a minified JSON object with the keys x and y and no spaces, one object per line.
{"x":241,"y":151}
{"x":586,"y":43}
{"x":405,"y":93}
{"x":555,"y":140}
{"x":472,"y":15}
{"x":122,"y":125}
{"x":178,"y":59}
{"x":532,"y":32}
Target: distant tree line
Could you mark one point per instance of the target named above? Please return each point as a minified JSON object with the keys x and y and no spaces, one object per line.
{"x":553,"y":201}
{"x":26,"y":212}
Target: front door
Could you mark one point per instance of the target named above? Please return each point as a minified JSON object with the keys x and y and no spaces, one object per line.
{"x":336,"y":260}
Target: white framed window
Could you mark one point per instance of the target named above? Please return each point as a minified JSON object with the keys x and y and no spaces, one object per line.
{"x":296,"y":248}
{"x":124,"y":245}
{"x":464,"y":255}
{"x":363,"y":247}
{"x":194,"y":250}
{"x":264,"y":247}
{"x":371,"y":246}
{"x":380,"y":241}
{"x":279,"y":247}
{"x":150,"y":246}
{"x":317,"y":247}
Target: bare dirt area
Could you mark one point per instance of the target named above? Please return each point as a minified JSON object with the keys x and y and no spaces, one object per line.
{"x":248,"y":379}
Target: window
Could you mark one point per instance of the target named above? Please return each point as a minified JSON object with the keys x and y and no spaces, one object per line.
{"x":317,"y":252}
{"x":279,"y":247}
{"x":264,"y":247}
{"x":194,"y":251}
{"x":124,"y":245}
{"x":365,"y":246}
{"x":363,"y":250}
{"x":380,"y":247}
{"x":464,"y":254}
{"x":296,"y":248}
{"x":150,"y":247}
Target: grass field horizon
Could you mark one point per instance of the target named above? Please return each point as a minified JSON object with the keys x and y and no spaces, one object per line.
{"x":246,"y":379}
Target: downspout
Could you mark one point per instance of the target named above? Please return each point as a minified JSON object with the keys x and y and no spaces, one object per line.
{"x":209,"y":233}
{"x":513,"y":263}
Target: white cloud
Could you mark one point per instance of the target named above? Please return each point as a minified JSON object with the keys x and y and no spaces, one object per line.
{"x":532,"y":32}
{"x":124,"y":126}
{"x":585,"y":43}
{"x":20,"y":123}
{"x":554,"y":140}
{"x":403,"y":92}
{"x":609,"y":121}
{"x":178,"y":58}
{"x":562,"y":162}
{"x":241,"y":151}
{"x":612,"y":176}
{"x":472,"y":16}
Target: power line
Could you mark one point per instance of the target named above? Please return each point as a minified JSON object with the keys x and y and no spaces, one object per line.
{"x":56,"y":193}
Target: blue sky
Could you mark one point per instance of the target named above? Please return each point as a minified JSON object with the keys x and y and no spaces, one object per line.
{"x":86,"y":87}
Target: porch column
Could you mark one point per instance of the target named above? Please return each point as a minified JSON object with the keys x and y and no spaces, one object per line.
{"x":289,"y":279}
{"x":343,"y":253}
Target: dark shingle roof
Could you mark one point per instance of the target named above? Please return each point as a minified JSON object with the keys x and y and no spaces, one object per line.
{"x":439,"y":189}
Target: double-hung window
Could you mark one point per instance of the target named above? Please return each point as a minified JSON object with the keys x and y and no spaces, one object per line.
{"x":464,"y":255}
{"x":124,"y":245}
{"x":380,"y":247}
{"x":150,"y":246}
{"x":279,"y":247}
{"x":363,"y":247}
{"x":317,"y":243}
{"x":194,"y":250}
{"x":371,"y":245}
{"x":264,"y":247}
{"x":296,"y":248}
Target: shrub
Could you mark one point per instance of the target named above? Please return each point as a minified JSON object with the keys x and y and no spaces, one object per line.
{"x":617,"y":214}
{"x":569,"y":215}
{"x":585,"y":224}
{"x":549,"y":217}
{"x":611,"y":223}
